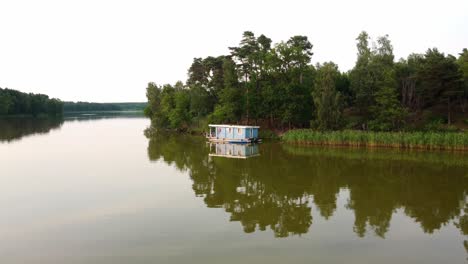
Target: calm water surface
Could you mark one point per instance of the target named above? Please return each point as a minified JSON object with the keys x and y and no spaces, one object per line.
{"x":98,"y":190}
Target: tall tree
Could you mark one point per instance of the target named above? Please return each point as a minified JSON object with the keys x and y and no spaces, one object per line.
{"x":441,"y":80}
{"x":230,"y":100}
{"x":408,"y":81}
{"x":463,"y":64}
{"x":361,"y":80}
{"x":327,"y":100}
{"x":179,"y":116}
{"x":387,"y":111}
{"x":5,"y":102}
{"x":374,"y":82}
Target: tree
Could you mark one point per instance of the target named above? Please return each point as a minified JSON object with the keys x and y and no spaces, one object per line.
{"x":441,"y":80}
{"x":300,"y":54}
{"x":295,"y":77}
{"x":374,"y":82}
{"x":361,"y":80}
{"x":17,"y":103}
{"x":200,"y":103}
{"x":197,"y":73}
{"x":327,"y":100}
{"x":260,"y":82}
{"x":463,"y":64}
{"x":153,"y":95}
{"x":5,"y":102}
{"x":230,"y":99}
{"x":179,"y":116}
{"x":388,"y":112}
{"x":408,"y":82}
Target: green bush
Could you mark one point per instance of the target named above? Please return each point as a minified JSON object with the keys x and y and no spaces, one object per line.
{"x":267,"y":134}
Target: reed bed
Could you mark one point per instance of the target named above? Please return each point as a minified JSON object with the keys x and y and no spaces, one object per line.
{"x":403,"y":140}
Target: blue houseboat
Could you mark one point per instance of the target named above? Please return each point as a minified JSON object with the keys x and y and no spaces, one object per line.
{"x":233,"y":133}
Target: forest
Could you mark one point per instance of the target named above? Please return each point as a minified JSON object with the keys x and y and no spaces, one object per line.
{"x":14,"y":102}
{"x":276,"y":86}
{"x":89,"y":106}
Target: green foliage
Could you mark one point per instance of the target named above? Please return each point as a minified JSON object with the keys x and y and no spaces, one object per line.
{"x":410,"y":140}
{"x":89,"y":106}
{"x":179,"y":116}
{"x":200,"y":104}
{"x":5,"y":103}
{"x":361,"y":81}
{"x":267,"y":134}
{"x":230,"y":98}
{"x":431,"y":79}
{"x":373,"y":81}
{"x":327,"y":100}
{"x":439,"y":76}
{"x":14,"y":102}
{"x":388,"y":112}
{"x":463,"y":65}
{"x":276,"y":86}
{"x":434,"y":125}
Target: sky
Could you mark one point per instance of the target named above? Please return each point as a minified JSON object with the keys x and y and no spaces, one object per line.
{"x":107,"y":51}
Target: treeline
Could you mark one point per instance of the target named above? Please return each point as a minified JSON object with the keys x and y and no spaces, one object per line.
{"x":87,"y":106}
{"x":14,"y":102}
{"x":277,"y":86}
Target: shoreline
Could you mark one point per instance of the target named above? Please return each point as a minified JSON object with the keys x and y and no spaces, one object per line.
{"x":446,"y":141}
{"x":421,"y":148}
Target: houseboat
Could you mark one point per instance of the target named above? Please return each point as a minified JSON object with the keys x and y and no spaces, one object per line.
{"x":233,"y":133}
{"x":233,"y":151}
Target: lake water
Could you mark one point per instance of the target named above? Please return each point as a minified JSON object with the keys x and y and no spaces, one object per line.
{"x":101,"y":190}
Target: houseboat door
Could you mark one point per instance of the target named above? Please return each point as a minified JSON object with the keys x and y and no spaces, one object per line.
{"x":212,"y":132}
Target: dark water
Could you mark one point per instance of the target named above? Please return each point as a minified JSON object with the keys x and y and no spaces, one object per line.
{"x":97,"y":190}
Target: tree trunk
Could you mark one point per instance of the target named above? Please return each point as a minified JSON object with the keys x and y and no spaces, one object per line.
{"x":247,"y":110}
{"x":449,"y":116}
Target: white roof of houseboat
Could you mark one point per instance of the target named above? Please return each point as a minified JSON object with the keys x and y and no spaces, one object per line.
{"x":233,"y":126}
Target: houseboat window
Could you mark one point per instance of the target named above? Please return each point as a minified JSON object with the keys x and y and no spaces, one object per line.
{"x":229,"y":130}
{"x":238,"y":131}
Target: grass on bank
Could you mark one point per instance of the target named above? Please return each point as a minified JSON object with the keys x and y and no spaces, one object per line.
{"x":404,"y":140}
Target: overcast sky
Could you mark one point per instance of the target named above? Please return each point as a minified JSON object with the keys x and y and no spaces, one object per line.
{"x":107,"y":51}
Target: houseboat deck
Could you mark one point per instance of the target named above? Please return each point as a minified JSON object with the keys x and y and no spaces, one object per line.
{"x":233,"y":134}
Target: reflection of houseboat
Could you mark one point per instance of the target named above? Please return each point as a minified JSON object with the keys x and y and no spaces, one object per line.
{"x":233,"y":133}
{"x":238,"y":151}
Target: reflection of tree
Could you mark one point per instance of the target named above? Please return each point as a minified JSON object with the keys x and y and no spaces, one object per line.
{"x":16,"y":128}
{"x":462,"y":224}
{"x":436,"y":203}
{"x":275,"y":189}
{"x":96,"y":115}
{"x":463,"y":221}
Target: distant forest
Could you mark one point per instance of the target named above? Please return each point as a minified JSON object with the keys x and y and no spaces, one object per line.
{"x":14,"y":102}
{"x":86,"y":106}
{"x":277,"y":86}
